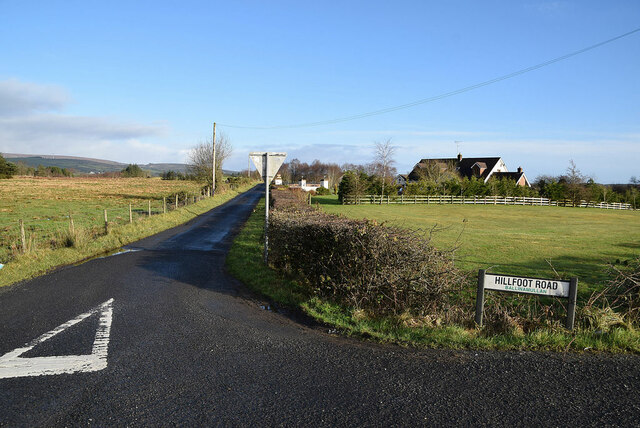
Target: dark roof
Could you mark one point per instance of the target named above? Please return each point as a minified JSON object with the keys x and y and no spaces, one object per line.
{"x":510,"y":175}
{"x":463,"y":166}
{"x":515,"y":176}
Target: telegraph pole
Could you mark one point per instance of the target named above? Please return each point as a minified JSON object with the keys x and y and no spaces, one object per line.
{"x":213,"y":185}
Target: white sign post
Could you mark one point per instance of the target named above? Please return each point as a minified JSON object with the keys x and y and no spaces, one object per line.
{"x":267,"y":164}
{"x":524,"y":285}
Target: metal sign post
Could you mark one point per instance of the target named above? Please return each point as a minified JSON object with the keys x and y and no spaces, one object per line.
{"x":525,"y":285}
{"x":267,"y":164}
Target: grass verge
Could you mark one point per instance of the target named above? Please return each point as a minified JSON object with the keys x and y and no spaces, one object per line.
{"x":42,"y":260}
{"x":245,"y":263}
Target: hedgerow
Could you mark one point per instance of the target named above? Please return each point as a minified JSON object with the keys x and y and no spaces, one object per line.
{"x":361,"y":263}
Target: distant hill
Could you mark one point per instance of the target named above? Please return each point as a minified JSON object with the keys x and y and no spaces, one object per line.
{"x":82,"y":165}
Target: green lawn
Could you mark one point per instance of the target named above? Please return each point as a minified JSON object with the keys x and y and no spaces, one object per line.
{"x":518,"y":240}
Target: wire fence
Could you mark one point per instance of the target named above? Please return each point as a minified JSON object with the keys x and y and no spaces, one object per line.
{"x":19,"y":235}
{"x":478,"y":200}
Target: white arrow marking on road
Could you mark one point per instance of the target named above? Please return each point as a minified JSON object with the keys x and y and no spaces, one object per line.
{"x":13,"y":365}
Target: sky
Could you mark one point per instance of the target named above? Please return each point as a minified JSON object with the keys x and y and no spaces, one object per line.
{"x":143,"y":81}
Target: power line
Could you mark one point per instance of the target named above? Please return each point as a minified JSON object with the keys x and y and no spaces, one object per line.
{"x":441,"y":96}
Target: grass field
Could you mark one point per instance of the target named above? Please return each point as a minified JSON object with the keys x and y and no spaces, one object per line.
{"x":518,"y":240}
{"x":44,"y":204}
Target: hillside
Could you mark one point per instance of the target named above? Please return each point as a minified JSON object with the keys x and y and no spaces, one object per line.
{"x":82,"y":165}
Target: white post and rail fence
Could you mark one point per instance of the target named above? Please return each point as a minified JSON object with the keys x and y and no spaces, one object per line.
{"x":477,"y":200}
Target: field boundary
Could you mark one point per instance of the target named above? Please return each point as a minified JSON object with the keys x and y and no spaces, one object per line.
{"x":477,"y":200}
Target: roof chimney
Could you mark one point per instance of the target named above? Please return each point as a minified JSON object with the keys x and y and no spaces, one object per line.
{"x":520,"y":169}
{"x":459,"y":157}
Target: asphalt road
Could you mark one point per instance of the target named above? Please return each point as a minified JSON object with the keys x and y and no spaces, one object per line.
{"x":188,"y":345}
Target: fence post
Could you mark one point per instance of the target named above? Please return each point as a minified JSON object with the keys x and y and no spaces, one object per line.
{"x":176,"y":202}
{"x":106,"y":223}
{"x":480,"y":297}
{"x":130,"y":215}
{"x":164,"y":204}
{"x":23,"y":238}
{"x":72,"y":228}
{"x":149,"y":207}
{"x":571,"y":309}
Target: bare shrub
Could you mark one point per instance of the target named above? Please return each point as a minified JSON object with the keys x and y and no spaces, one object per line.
{"x":517,"y":314}
{"x":618,"y":302}
{"x":289,"y":199}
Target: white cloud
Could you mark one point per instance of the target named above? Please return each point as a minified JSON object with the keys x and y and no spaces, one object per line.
{"x":40,"y":127}
{"x":400,"y":133}
{"x":19,"y":98}
{"x":31,"y":122}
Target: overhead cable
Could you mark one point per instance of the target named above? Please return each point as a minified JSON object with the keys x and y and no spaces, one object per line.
{"x":437,"y":97}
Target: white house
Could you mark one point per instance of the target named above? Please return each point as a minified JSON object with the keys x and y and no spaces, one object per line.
{"x":307,"y":187}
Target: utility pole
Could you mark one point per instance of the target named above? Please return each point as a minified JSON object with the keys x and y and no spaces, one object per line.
{"x":213,"y":185}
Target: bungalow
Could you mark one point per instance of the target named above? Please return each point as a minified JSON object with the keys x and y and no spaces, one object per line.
{"x":483,"y":168}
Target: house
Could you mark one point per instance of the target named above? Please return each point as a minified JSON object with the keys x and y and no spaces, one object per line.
{"x":483,"y":168}
{"x":401,"y":180}
{"x":307,"y":187}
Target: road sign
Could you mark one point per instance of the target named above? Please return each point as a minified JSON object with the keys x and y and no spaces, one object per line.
{"x":525,"y":285}
{"x":517,"y":284}
{"x":267,"y":164}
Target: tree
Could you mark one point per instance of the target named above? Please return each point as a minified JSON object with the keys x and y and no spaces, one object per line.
{"x":353,"y":183}
{"x":7,"y":169}
{"x":133,"y":170}
{"x":575,"y":183}
{"x":383,"y":156}
{"x":201,"y":159}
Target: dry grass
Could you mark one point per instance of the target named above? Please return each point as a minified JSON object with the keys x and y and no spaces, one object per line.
{"x":46,"y":203}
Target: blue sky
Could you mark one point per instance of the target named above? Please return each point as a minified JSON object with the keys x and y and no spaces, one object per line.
{"x":143,"y":81}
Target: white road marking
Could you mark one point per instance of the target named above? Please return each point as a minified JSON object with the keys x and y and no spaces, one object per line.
{"x":125,"y":251}
{"x":13,"y":365}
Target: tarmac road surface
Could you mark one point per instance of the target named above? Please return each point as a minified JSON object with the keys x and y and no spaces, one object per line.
{"x":163,"y":336}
